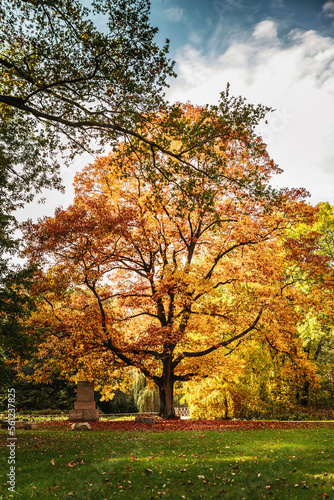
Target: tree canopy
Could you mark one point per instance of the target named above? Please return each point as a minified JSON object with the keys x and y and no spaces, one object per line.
{"x":169,"y":267}
{"x":79,"y":83}
{"x":176,"y":249}
{"x":67,"y":87}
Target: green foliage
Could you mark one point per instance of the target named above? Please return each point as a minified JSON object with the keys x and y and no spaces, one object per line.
{"x":15,"y":306}
{"x":37,"y":397}
{"x":316,"y":331}
{"x":325,"y":225}
{"x":28,"y":163}
{"x":122,"y":402}
{"x":26,"y":166}
{"x":80,"y":83}
{"x":257,"y":382}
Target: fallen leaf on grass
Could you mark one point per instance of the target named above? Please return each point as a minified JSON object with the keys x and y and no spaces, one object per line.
{"x":53,"y":462}
{"x":198,"y":425}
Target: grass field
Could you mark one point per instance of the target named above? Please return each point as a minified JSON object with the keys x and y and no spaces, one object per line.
{"x":242,"y":464}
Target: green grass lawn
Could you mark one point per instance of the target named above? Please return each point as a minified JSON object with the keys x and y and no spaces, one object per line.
{"x":289,"y":463}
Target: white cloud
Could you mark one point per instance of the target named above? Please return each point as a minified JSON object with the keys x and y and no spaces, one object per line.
{"x":328,"y":8}
{"x":296,"y":79}
{"x":174,"y":14}
{"x":265,"y":30}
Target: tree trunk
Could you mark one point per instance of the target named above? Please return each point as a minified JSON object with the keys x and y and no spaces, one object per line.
{"x":166,"y":390}
{"x":226,"y":407}
{"x":304,"y":396}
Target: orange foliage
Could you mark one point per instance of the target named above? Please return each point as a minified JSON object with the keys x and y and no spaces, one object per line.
{"x":161,"y":263}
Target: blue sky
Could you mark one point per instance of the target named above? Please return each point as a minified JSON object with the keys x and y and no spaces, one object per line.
{"x":188,"y":21}
{"x":279,"y":53}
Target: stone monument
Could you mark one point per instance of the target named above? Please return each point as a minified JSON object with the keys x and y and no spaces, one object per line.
{"x":84,"y":406}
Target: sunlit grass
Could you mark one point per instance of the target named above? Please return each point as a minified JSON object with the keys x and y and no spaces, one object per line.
{"x":296,"y":464}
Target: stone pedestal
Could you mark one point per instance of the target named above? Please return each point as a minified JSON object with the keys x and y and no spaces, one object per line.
{"x":145,"y":420}
{"x":84,"y":406}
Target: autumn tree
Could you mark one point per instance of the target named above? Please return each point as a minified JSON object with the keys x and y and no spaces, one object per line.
{"x":166,"y":266}
{"x":317,"y":328}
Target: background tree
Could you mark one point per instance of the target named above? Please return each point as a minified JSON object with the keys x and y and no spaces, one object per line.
{"x":145,"y":393}
{"x":27,"y":165}
{"x":16,"y":305}
{"x":75,"y":82}
{"x":256,"y":381}
{"x":33,"y":397}
{"x":158,"y":265}
{"x":66,"y":88}
{"x":317,"y":329}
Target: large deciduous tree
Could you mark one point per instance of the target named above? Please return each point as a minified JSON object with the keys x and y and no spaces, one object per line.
{"x":167,"y":266}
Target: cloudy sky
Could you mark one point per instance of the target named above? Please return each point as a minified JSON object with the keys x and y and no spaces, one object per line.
{"x":279,"y":53}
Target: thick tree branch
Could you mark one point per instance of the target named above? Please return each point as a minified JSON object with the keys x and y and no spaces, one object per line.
{"x":225,"y":252}
{"x":19,"y":103}
{"x":222,"y":344}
